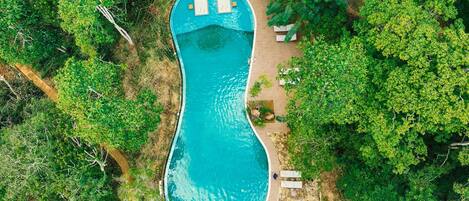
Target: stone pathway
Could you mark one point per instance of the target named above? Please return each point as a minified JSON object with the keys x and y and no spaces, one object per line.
{"x":267,"y":55}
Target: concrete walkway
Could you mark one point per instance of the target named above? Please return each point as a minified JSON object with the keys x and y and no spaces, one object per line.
{"x":267,"y":55}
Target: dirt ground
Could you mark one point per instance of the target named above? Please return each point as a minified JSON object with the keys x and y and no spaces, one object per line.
{"x":310,"y":190}
{"x":162,"y":76}
{"x":7,"y":72}
{"x":329,"y":189}
{"x":320,"y":189}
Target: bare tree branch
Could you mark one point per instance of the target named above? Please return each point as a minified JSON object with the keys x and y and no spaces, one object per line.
{"x":2,"y":78}
{"x":107,"y":14}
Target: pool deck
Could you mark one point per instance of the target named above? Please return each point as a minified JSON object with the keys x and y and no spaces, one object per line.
{"x":267,"y":55}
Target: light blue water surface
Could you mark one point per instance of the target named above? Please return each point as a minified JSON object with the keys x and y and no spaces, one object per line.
{"x":216,"y":155}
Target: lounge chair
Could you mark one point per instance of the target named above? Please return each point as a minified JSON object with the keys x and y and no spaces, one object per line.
{"x":291,"y":184}
{"x":201,"y":7}
{"x":224,"y":6}
{"x":285,"y":71}
{"x":290,"y":174}
{"x":285,"y":28}
{"x":282,"y":82}
{"x":281,"y":38}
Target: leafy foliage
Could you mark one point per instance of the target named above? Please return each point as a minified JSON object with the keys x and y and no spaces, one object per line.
{"x":320,"y":17}
{"x":29,"y":34}
{"x":12,"y":110}
{"x":333,"y":80}
{"x":141,"y":188}
{"x":368,"y":184}
{"x":86,"y":24}
{"x":256,"y":88}
{"x":38,"y":162}
{"x":333,"y":83}
{"x":91,"y":92}
{"x":385,"y":105}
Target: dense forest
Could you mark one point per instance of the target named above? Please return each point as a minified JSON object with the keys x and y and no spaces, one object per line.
{"x":58,"y":150}
{"x":382,"y":97}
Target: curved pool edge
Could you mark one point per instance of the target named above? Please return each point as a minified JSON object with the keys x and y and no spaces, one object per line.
{"x":183,"y":102}
{"x":246,"y":100}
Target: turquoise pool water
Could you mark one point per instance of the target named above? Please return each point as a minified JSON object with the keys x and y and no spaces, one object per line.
{"x":216,"y":155}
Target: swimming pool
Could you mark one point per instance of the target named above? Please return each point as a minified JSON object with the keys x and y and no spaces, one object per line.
{"x":216,"y":155}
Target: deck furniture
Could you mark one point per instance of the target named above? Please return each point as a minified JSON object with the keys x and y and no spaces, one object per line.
{"x":284,"y":28}
{"x":291,"y":184}
{"x":290,"y":174}
{"x":224,"y":6}
{"x":285,"y":71}
{"x":201,"y":7}
{"x":281,"y":38}
{"x":281,"y":82}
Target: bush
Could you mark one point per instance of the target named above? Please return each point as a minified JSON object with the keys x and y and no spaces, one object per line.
{"x":263,"y":81}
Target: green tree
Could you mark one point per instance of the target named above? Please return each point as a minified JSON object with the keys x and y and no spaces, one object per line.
{"x":328,"y":97}
{"x":425,"y":94}
{"x":319,"y":17}
{"x":360,"y":182}
{"x":396,"y":112}
{"x":12,"y":110}
{"x":29,"y":34}
{"x":39,"y":163}
{"x":91,"y":92}
{"x":91,"y":30}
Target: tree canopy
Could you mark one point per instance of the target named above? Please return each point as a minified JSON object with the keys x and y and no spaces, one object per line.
{"x":12,"y":106}
{"x":29,"y":33}
{"x":87,"y":25}
{"x":319,"y":17}
{"x":391,"y":101}
{"x":91,"y":92}
{"x":39,"y":162}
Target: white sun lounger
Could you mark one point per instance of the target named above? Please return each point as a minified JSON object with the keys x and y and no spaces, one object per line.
{"x":224,"y":6}
{"x":291,"y":184}
{"x":283,"y":28}
{"x":201,"y":7}
{"x":285,"y":71}
{"x":290,"y":174}
{"x":281,"y":38}
{"x":283,"y":82}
